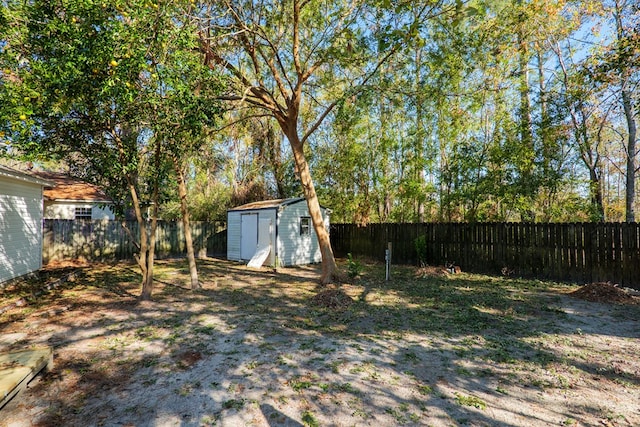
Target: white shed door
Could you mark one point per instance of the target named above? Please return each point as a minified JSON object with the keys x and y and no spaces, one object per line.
{"x":248,"y":235}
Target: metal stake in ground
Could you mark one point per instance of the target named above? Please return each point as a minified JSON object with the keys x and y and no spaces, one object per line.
{"x":387,"y":259}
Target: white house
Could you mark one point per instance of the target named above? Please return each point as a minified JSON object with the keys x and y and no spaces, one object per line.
{"x":71,"y":198}
{"x":21,"y":211}
{"x":273,"y":232}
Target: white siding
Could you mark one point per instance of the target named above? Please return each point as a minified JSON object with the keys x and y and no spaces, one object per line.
{"x":233,"y":236}
{"x":20,"y":228}
{"x":67,"y":210}
{"x":290,"y":247}
{"x":294,"y":249}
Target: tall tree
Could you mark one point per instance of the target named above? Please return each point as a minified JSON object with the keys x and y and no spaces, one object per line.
{"x":280,"y":53}
{"x":97,"y":99}
{"x":624,"y":61}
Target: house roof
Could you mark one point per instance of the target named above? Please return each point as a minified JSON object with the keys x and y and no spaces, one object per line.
{"x":71,"y":189}
{"x":25,"y":176}
{"x":267,"y":204}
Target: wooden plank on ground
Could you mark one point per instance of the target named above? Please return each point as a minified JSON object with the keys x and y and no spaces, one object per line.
{"x":17,"y":368}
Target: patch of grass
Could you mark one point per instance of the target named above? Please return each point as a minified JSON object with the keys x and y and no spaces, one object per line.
{"x":173,"y":338}
{"x":298,"y":384}
{"x":185,"y":390}
{"x":283,"y":361}
{"x":464,"y":372}
{"x":208,"y":421}
{"x":148,"y":362}
{"x":335,"y":365}
{"x":346,"y":388}
{"x":309,"y":419}
{"x":235,"y":388}
{"x":397,"y":414}
{"x":410,"y":356}
{"x":624,"y":383}
{"x":356,"y":369}
{"x":236,"y":404}
{"x":253,"y":364}
{"x":147,"y":333}
{"x":360,"y":413}
{"x":205,"y":330}
{"x":474,"y":401}
{"x":424,"y":389}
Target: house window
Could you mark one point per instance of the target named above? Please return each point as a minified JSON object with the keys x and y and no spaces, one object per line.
{"x":305,"y":226}
{"x":83,"y":213}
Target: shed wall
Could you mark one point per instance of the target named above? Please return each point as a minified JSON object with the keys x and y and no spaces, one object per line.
{"x":233,"y":236}
{"x":20,"y":228}
{"x":293,"y":248}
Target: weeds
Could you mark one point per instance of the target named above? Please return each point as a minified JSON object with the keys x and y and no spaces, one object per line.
{"x":413,"y":338}
{"x":236,"y":404}
{"x":354,"y":268}
{"x":476,"y":402}
{"x":309,"y":419}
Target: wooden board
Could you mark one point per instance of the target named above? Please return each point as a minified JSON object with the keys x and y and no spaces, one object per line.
{"x":17,"y":368}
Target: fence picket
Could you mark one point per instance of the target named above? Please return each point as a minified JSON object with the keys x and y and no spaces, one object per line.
{"x":579,"y":252}
{"x":100,"y":240}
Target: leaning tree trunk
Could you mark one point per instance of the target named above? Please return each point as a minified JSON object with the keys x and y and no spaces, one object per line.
{"x":329,"y":267}
{"x":188,"y":238}
{"x":142,"y":258}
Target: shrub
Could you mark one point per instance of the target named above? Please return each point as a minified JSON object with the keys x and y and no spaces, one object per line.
{"x":421,"y":250}
{"x":354,"y":268}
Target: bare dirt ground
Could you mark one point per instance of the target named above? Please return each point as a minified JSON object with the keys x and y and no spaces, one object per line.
{"x":264,"y":348}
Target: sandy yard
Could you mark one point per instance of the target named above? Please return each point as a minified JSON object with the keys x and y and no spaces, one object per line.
{"x":265,"y":348}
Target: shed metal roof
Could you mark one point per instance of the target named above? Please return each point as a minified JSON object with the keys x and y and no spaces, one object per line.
{"x":267,"y":204}
{"x":25,"y":176}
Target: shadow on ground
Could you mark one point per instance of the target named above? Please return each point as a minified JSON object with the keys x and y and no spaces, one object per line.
{"x":249,"y":348}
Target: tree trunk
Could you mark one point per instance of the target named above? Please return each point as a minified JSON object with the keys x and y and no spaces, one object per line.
{"x":188,"y":238}
{"x":142,"y":257}
{"x":631,"y":158}
{"x":627,"y":105}
{"x":329,"y":267}
{"x":147,"y":282}
{"x":527,"y":154}
{"x":270,"y":147}
{"x":595,"y":184}
{"x":418,"y":144}
{"x":147,"y":287}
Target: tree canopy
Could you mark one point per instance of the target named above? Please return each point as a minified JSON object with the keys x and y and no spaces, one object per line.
{"x":430,"y":110}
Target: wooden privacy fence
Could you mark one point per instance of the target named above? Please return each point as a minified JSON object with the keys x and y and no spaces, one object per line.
{"x":575,"y":252}
{"x":103,"y":240}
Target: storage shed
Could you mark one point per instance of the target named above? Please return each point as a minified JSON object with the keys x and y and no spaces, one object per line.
{"x":20,"y":223}
{"x":273,"y":232}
